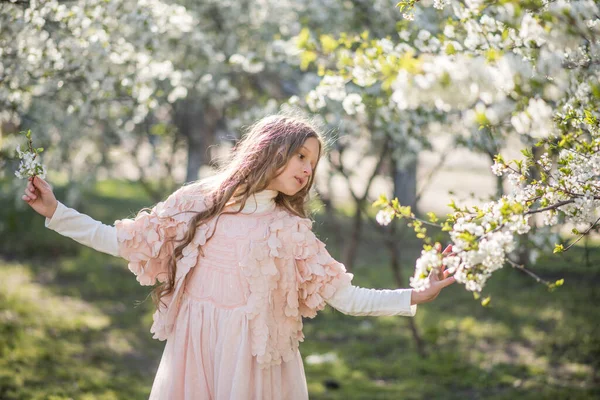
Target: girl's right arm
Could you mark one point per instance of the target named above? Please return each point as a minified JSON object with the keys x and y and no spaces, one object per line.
{"x":67,"y":221}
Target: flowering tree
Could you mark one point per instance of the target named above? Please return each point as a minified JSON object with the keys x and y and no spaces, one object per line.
{"x":90,"y":66}
{"x":132,"y":72}
{"x":486,"y":68}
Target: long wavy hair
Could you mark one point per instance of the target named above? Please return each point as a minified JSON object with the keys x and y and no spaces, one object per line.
{"x":261,"y":155}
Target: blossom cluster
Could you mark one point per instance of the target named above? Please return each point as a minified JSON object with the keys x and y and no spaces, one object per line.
{"x":504,"y":73}
{"x":50,"y":46}
{"x":483,"y":237}
{"x":334,"y":88}
{"x":30,"y":164}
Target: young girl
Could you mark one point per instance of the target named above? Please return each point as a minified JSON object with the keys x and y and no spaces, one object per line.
{"x":238,"y":267}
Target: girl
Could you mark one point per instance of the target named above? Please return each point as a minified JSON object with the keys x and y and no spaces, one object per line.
{"x":238,"y":267}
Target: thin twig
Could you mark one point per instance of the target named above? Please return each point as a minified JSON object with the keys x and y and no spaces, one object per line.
{"x":412,"y":217}
{"x":534,"y":276}
{"x":582,"y":235}
{"x":559,"y":204}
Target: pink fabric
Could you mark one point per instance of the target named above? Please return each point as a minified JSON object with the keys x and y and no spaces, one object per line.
{"x":234,"y":322}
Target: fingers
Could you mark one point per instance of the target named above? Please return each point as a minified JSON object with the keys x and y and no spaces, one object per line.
{"x":442,"y":272}
{"x":31,"y":192}
{"x":39,"y":183}
{"x":28,"y":197}
{"x":447,"y":281}
{"x":447,"y":250}
{"x":30,"y":187}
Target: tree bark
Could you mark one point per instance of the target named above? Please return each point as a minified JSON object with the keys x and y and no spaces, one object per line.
{"x":405,"y":189}
{"x":351,"y":249}
{"x":405,"y":183}
{"x":198,"y":123}
{"x":524,"y":249}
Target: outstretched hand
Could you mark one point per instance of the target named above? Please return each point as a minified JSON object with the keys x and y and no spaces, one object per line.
{"x":437,"y":281}
{"x":39,"y":195}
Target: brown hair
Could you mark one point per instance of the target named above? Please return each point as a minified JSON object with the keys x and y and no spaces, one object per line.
{"x":256,"y":159}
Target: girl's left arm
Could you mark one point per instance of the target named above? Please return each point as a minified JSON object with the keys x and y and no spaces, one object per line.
{"x":355,"y":300}
{"x":358,"y":301}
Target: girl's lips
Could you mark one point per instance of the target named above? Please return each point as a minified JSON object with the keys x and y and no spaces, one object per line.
{"x":300,"y":181}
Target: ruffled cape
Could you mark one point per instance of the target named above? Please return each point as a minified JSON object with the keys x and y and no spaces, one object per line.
{"x":289,"y":272}
{"x":144,"y":242}
{"x":291,"y":275}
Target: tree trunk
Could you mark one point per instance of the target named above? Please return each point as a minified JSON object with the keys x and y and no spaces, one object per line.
{"x":198,"y":123}
{"x":405,"y":183}
{"x":405,"y":189}
{"x":499,"y":186}
{"x":351,"y":248}
{"x":330,"y":217}
{"x":196,"y":149}
{"x":524,"y":250}
{"x":397,"y":271}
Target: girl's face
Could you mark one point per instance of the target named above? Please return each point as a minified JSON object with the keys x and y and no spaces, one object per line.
{"x":295,"y":175}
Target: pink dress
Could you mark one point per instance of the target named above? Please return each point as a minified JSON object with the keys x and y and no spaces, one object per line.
{"x":235,"y":320}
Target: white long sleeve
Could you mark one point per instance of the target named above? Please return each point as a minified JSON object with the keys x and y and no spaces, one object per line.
{"x":351,"y":300}
{"x":84,"y":229}
{"x":354,"y":300}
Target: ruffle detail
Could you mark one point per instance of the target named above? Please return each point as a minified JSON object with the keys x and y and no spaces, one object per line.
{"x":143,"y":242}
{"x":319,"y":275}
{"x":290,"y":274}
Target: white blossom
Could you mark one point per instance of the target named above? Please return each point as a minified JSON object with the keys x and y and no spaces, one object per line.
{"x":353,"y":104}
{"x":385,"y":216}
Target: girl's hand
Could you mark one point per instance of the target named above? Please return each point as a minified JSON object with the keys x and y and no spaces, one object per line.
{"x":437,"y":281}
{"x":39,"y":196}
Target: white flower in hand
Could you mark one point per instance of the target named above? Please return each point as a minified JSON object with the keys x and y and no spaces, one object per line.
{"x":30,"y":165}
{"x":438,"y":279}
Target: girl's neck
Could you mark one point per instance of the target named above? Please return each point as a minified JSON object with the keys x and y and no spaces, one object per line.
{"x":260,"y":202}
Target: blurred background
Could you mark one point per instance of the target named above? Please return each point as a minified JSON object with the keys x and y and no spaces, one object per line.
{"x":131,"y":99}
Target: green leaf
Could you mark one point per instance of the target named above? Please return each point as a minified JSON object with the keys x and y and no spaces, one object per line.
{"x":432,"y":217}
{"x":493,"y":55}
{"x":306,"y":59}
{"x":303,"y":39}
{"x":453,"y":205}
{"x":590,"y":118}
{"x":381,"y":201}
{"x":527,"y":153}
{"x":559,"y":282}
{"x":558,"y":248}
{"x":485,"y":302}
{"x":328,"y":43}
{"x":553,"y":286}
{"x":450,"y":50}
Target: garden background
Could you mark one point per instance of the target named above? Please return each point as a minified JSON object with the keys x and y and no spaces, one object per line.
{"x":131,"y":99}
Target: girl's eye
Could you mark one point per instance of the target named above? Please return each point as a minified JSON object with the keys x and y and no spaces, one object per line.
{"x":301,"y":156}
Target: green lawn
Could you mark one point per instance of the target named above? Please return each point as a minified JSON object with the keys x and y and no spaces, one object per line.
{"x":70,"y":328}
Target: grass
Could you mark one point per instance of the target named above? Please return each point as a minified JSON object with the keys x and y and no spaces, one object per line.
{"x":69,"y":328}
